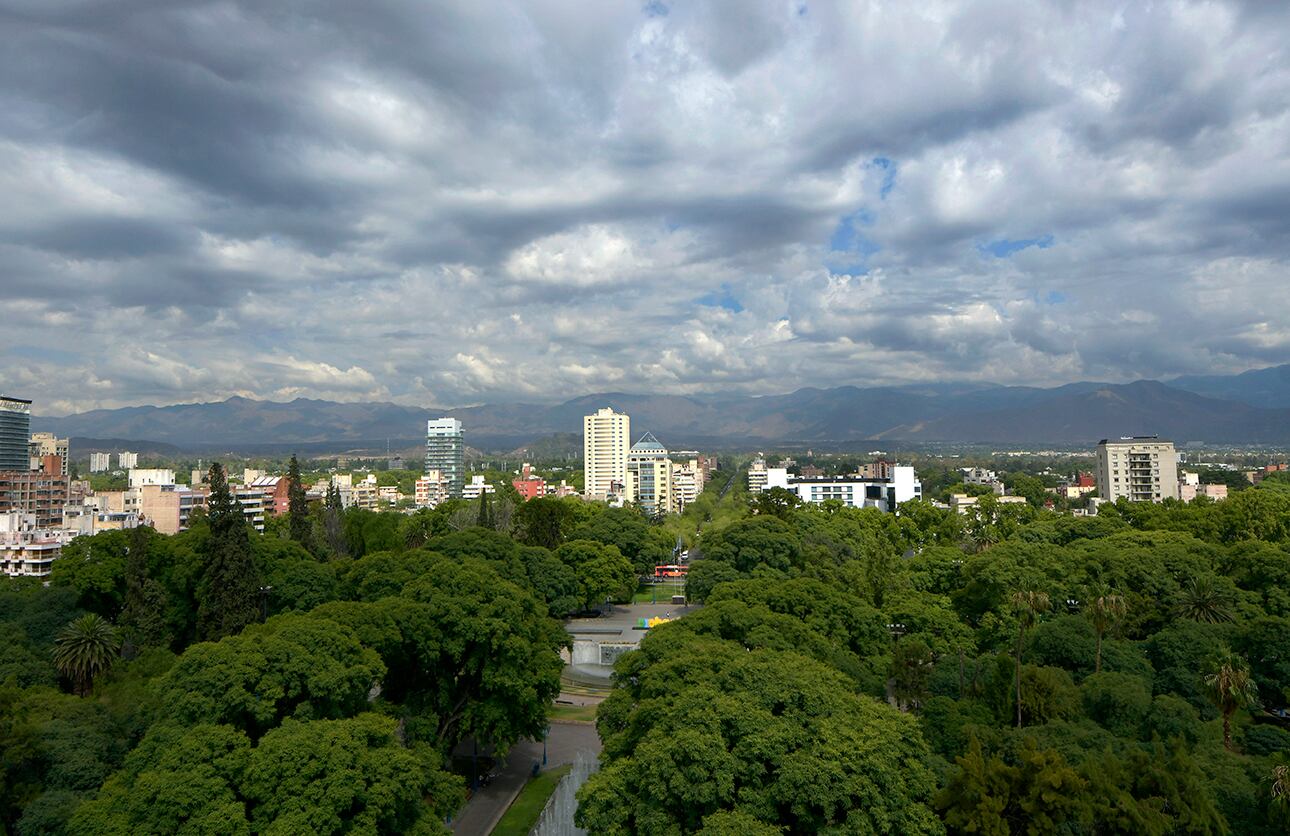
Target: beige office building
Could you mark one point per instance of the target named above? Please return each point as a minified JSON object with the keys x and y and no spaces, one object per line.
{"x":606,"y":438}
{"x":649,"y":473}
{"x":1139,"y":469}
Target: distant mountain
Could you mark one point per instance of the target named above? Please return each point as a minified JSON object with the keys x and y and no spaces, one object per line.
{"x":1146,"y":407}
{"x":1267,"y":388}
{"x":1076,"y":413}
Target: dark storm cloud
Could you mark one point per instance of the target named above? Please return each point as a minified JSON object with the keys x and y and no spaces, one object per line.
{"x":446,"y":202}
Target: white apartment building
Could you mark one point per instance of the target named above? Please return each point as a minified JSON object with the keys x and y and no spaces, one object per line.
{"x":100,"y":462}
{"x":979,"y":476}
{"x":606,"y":439}
{"x":1139,"y":469}
{"x":125,"y":461}
{"x":431,"y":490}
{"x":475,"y":487}
{"x":688,"y":479}
{"x":757,"y":475}
{"x":851,"y":491}
{"x":151,"y":476}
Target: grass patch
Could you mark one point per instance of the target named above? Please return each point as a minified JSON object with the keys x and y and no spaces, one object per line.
{"x":527,"y":806}
{"x":658,"y":592}
{"x":574,"y":712}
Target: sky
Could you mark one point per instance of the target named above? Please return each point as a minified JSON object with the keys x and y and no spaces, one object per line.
{"x":446,"y":203}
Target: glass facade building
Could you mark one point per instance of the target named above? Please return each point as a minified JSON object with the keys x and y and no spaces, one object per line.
{"x":15,"y":433}
{"x":445,"y":450}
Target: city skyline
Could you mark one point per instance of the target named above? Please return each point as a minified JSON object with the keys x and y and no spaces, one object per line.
{"x":469,"y":206}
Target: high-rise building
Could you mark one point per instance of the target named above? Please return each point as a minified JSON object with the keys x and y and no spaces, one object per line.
{"x":15,"y":432}
{"x":445,"y":451}
{"x":125,"y":460}
{"x":47,"y":444}
{"x":649,"y":471}
{"x":606,"y":437}
{"x":1139,"y":469}
{"x":101,"y":462}
{"x":41,"y":493}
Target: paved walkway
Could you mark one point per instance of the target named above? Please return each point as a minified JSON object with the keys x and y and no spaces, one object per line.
{"x":486,"y":807}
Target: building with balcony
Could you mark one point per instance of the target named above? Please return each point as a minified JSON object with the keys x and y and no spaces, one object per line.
{"x":1138,"y":468}
{"x":430,"y":490}
{"x":100,"y":462}
{"x":28,"y":549}
{"x":41,"y":493}
{"x":445,"y":452}
{"x":606,"y":437}
{"x":47,"y":444}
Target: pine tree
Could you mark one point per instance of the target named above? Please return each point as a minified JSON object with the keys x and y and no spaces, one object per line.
{"x":297,"y":504}
{"x":144,"y":615}
{"x":230,"y":582}
{"x":333,"y":522}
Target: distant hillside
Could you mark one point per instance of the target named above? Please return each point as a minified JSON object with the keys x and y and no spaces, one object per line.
{"x":1267,"y":388}
{"x":1077,"y":413}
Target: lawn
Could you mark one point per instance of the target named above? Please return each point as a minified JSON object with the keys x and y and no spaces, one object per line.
{"x":527,"y":806}
{"x":585,"y":713}
{"x":658,"y":592}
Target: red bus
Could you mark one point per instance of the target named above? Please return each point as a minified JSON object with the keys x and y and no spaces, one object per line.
{"x":670,"y":571}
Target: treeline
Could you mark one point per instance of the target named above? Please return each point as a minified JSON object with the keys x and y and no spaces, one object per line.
{"x":1008,"y":671}
{"x":315,"y":679}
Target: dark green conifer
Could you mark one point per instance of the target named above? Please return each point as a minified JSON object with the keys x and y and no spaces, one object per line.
{"x":230,"y":582}
{"x":297,"y":505}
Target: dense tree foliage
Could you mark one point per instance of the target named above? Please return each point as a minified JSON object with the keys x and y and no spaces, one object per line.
{"x":1009,"y":670}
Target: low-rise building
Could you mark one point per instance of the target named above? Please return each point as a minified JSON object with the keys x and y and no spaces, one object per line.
{"x":852,"y":491}
{"x":476,"y":486}
{"x":168,"y":508}
{"x":961,"y":502}
{"x":151,"y":476}
{"x":28,"y":549}
{"x":529,"y":485}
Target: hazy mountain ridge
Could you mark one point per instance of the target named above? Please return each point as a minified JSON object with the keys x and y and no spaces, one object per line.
{"x":1073,"y":413}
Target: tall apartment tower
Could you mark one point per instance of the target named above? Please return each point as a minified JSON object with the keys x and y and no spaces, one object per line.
{"x":15,"y":433}
{"x":606,"y":437}
{"x":650,"y":474}
{"x":1140,"y":469}
{"x":445,"y":450}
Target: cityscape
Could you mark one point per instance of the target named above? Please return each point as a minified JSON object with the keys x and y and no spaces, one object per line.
{"x":662,"y":418}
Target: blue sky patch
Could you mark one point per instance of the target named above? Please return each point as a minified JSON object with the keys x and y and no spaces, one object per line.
{"x":655,"y":8}
{"x":1004,"y":247}
{"x":723,"y":298}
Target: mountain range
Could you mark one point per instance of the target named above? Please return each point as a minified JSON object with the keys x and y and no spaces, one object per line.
{"x":1252,"y":408}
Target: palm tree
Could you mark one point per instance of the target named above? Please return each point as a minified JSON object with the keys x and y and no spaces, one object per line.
{"x":1105,"y":611}
{"x":1202,"y":600}
{"x":1028,"y":603}
{"x":1231,"y":687}
{"x":1281,"y":785}
{"x":85,"y":648}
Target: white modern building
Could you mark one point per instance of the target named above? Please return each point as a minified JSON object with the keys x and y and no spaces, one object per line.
{"x":757,"y":475}
{"x":1138,"y":468}
{"x":606,"y":439}
{"x":851,"y":491}
{"x":649,"y":474}
{"x":151,"y":476}
{"x":100,"y":462}
{"x":475,"y":487}
{"x":125,"y":461}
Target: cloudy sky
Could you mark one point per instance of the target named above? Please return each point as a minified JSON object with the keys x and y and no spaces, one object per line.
{"x":441,"y":203}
